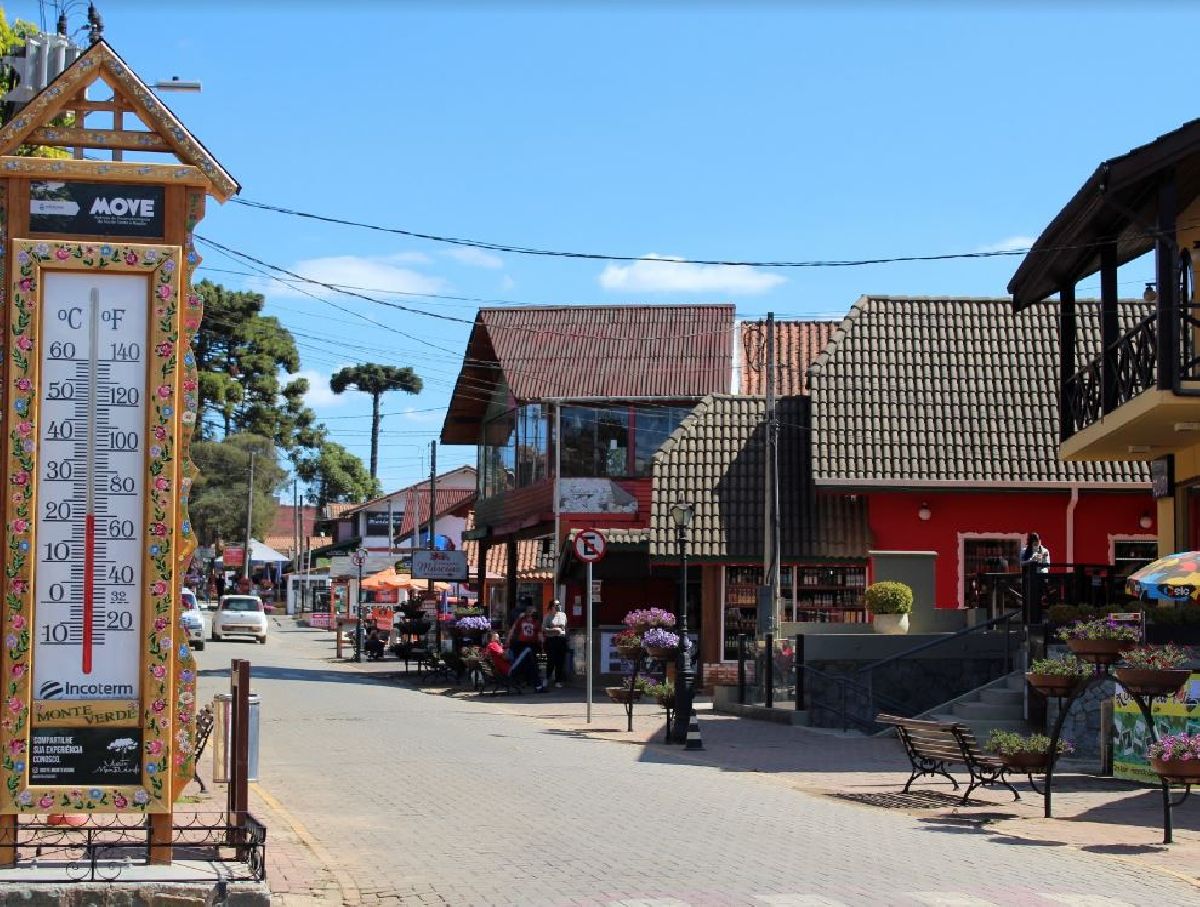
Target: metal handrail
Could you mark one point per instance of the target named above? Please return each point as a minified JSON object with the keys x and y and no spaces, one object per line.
{"x":843,"y":682}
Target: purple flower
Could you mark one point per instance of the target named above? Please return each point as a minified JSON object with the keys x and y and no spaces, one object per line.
{"x":658,"y":638}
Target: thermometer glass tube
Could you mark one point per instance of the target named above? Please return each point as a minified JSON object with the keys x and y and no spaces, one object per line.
{"x":90,"y":524}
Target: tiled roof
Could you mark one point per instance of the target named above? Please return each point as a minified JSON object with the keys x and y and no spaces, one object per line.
{"x":715,"y":459}
{"x":335,"y":510}
{"x":683,"y":351}
{"x":404,"y":493}
{"x":417,"y":506}
{"x":936,"y":390}
{"x":282,"y":524}
{"x":284,"y":543}
{"x":529,"y":560}
{"x":797,"y":345}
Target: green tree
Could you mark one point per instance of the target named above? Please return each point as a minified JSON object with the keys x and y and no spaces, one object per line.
{"x":335,"y":475}
{"x":218,"y":500}
{"x":375,"y":380}
{"x":241,"y":355}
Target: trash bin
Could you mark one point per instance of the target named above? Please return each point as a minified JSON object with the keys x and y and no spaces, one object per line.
{"x":222,"y":716}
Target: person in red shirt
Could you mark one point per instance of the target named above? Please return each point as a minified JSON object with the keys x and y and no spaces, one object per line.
{"x":495,"y":652}
{"x":524,"y":639}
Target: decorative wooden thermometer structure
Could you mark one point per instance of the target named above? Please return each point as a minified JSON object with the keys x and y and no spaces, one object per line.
{"x":99,"y":403}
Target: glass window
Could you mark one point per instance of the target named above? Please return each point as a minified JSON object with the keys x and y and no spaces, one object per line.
{"x":1133,"y":554}
{"x":595,"y":442}
{"x":532,"y":445}
{"x":498,"y":453}
{"x":652,"y":426}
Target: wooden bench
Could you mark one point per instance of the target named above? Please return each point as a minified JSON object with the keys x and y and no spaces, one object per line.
{"x":492,"y":678}
{"x":933,"y":746}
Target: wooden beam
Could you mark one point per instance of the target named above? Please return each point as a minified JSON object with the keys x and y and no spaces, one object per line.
{"x":117,"y":139}
{"x":1110,"y":327}
{"x":1166,"y":257}
{"x":104,"y":171}
{"x":1067,"y":334}
{"x":82,"y":105}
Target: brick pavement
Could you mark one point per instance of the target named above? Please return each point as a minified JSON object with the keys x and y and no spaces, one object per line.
{"x":449,"y":799}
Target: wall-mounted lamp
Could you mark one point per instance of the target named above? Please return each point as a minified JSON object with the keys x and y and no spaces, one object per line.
{"x":1145,"y":520}
{"x":924,"y":513}
{"x":1150,"y":294}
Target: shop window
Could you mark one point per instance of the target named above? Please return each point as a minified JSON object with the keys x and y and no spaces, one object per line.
{"x":651,"y":427}
{"x":1129,"y":555}
{"x":988,"y":554}
{"x":595,"y":442}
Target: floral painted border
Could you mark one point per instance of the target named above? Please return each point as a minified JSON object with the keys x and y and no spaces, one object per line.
{"x":159,"y":649}
{"x":185,"y":666}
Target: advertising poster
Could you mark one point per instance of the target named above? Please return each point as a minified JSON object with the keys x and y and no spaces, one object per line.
{"x":96,"y":209}
{"x":1175,"y":715}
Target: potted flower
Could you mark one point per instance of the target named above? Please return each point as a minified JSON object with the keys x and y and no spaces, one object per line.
{"x":629,"y":644}
{"x":1099,"y":641}
{"x":890,"y":604}
{"x":660,"y":643}
{"x":472,"y":627}
{"x":1154,"y":670}
{"x":662,"y":693}
{"x":1025,"y":753}
{"x":1055,"y":676}
{"x":1176,"y":757}
{"x":623,"y":695}
{"x":642,"y":619}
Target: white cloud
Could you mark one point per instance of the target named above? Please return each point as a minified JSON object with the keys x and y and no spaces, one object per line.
{"x":476,"y":258}
{"x":507,"y":283}
{"x":377,"y":273}
{"x":662,"y":274}
{"x":1012,"y":244}
{"x":319,"y":394}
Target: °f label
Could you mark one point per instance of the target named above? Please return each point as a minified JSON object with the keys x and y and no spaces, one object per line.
{"x":90,"y":524}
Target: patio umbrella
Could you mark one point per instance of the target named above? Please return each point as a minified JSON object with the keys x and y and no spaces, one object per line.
{"x":1175,"y":578}
{"x":388,"y":579}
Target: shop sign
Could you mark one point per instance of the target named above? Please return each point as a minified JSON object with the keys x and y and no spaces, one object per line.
{"x":1162,"y":477}
{"x":377,"y":522}
{"x":450,"y":566}
{"x":233,"y":556}
{"x":96,"y":209}
{"x":1176,"y":714}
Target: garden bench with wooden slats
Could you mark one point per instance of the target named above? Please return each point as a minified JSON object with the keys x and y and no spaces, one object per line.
{"x":495,"y":680}
{"x":933,"y":746}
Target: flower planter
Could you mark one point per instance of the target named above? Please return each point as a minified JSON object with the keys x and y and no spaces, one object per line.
{"x":660,"y":652}
{"x":1177,"y":769}
{"x":1100,"y":651}
{"x":1146,"y":682}
{"x":622,"y":695}
{"x":890,"y":624}
{"x":631,"y":653}
{"x":1026,"y":762}
{"x":1053,"y":684}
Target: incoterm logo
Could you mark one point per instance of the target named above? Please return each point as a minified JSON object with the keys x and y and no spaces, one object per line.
{"x":53,"y":689}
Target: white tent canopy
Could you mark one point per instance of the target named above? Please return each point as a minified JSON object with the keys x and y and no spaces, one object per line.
{"x":264,"y":554}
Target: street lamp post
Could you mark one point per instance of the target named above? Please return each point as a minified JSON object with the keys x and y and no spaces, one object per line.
{"x":685,"y":662}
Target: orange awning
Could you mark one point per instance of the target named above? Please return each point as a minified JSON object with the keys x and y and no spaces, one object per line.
{"x":388,"y":579}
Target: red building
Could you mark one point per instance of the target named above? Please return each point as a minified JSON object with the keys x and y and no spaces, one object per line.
{"x":567,"y":407}
{"x":942,"y":412}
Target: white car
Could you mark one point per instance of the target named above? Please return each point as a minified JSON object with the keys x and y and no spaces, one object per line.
{"x":189,"y":616}
{"x":240,"y":615}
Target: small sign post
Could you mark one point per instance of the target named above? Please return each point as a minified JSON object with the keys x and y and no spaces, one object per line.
{"x":590,"y":546}
{"x":358,"y":558}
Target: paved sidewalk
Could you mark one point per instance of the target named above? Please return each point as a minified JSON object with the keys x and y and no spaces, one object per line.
{"x":1093,"y":814}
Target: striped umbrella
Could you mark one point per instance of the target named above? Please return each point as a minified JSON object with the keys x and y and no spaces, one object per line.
{"x":1175,"y":578}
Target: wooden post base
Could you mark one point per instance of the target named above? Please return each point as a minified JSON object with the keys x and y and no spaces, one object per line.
{"x":160,"y":839}
{"x":8,"y":840}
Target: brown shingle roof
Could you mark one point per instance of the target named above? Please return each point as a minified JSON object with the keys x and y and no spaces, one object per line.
{"x":529,"y":560}
{"x":797,"y":344}
{"x":683,"y":351}
{"x":928,"y":390}
{"x":715,"y":459}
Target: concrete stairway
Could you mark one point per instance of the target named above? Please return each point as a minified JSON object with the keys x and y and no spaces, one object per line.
{"x":999,"y":705}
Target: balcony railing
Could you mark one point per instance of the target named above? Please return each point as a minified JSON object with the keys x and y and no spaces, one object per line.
{"x":1134,"y":358}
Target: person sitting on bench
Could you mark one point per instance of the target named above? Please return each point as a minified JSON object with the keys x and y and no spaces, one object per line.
{"x":494,"y":652}
{"x":375,"y":643}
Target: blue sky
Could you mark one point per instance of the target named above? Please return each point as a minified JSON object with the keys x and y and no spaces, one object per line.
{"x":749,"y":132}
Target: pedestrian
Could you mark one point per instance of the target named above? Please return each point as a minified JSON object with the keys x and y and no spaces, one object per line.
{"x":524,"y":639}
{"x":554,"y":632}
{"x":1036,"y":553}
{"x":495,"y":653}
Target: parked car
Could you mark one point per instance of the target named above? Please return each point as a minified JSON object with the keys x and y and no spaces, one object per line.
{"x":240,"y":615}
{"x":191,"y":619}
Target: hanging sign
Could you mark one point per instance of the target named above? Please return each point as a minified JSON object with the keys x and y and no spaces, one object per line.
{"x":449,"y":566}
{"x":233,"y":556}
{"x":96,"y":209}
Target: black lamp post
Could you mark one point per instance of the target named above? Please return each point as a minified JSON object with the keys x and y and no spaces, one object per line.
{"x":685,"y":673}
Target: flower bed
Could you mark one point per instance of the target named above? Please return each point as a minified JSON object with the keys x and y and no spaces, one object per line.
{"x":1176,"y":756}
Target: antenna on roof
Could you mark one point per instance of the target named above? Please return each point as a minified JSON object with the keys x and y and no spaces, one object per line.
{"x":95,"y":24}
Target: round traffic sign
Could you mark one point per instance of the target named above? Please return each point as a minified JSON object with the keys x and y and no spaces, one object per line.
{"x":590,"y":545}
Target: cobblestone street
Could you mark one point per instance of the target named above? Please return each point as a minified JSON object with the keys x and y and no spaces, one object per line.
{"x":376,"y":792}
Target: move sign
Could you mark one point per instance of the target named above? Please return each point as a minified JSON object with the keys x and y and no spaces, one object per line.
{"x":100,"y":209}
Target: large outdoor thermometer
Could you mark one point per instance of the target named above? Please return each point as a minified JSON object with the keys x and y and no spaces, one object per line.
{"x":90,"y":524}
